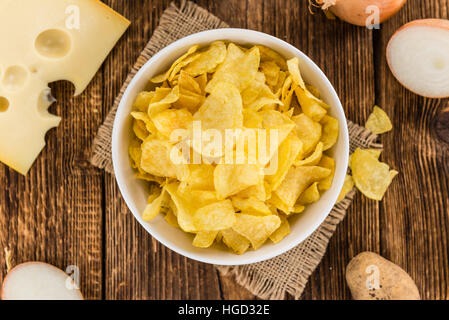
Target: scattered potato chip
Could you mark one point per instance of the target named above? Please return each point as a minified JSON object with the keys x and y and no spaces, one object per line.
{"x":282,"y":231}
{"x":378,"y":122}
{"x":256,"y":229}
{"x":348,"y":185}
{"x":371,"y":176}
{"x":248,"y":93}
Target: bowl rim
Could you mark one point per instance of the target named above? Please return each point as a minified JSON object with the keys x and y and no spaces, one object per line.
{"x":190,"y":40}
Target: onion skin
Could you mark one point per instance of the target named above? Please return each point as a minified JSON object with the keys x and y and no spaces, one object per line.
{"x":435,"y":23}
{"x":354,"y":11}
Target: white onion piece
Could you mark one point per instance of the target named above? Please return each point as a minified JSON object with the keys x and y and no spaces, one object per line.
{"x":38,"y":281}
{"x":418,"y":56}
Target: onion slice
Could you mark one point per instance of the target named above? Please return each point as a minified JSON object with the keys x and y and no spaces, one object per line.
{"x":38,"y":281}
{"x":418,"y":56}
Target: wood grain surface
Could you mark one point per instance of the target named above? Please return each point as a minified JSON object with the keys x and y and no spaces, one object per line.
{"x":65,"y":212}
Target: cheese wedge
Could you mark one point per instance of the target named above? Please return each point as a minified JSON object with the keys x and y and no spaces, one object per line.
{"x":42,"y":41}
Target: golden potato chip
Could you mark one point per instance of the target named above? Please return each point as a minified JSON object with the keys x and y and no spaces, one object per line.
{"x":140,"y":130}
{"x":155,"y":205}
{"x":378,"y":122}
{"x":239,"y":68}
{"x":271,"y":71}
{"x":186,"y":204}
{"x":297,"y":180}
{"x":252,"y":119}
{"x":330,"y":131}
{"x":371,"y":176}
{"x":235,"y":241}
{"x":171,"y":119}
{"x":231,"y":179}
{"x":293,"y":68}
{"x":277,"y":203}
{"x":267,"y":54}
{"x":143,"y":100}
{"x":282,"y":231}
{"x":157,"y":106}
{"x":256,"y":229}
{"x":297,"y":208}
{"x":215,"y":217}
{"x":309,"y":105}
{"x":208,"y":60}
{"x":188,"y":84}
{"x":164,"y":76}
{"x":288,"y":151}
{"x":200,"y":176}
{"x":135,"y":153}
{"x":329,"y":163}
{"x":204,"y":239}
{"x":156,"y":158}
{"x":261,"y":191}
{"x":171,"y":219}
{"x":222,"y":109}
{"x":310,"y":195}
{"x":313,"y":159}
{"x":348,"y":185}
{"x":202,"y":82}
{"x":308,"y":131}
{"x":250,"y":206}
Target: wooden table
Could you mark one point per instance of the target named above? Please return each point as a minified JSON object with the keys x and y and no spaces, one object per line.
{"x":66,"y":212}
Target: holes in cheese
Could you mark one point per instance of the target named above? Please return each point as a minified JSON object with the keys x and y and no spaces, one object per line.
{"x":43,"y":42}
{"x":4,"y":104}
{"x":53,"y":43}
{"x":15,"y":78}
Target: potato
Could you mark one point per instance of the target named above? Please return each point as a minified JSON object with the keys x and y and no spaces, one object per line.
{"x":372,"y":277}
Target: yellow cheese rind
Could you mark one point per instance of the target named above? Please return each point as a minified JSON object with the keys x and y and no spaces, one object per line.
{"x":41,"y":42}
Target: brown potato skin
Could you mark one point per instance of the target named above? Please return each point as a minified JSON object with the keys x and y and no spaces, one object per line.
{"x":394,"y":282}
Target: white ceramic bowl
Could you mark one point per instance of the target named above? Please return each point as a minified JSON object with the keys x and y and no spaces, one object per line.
{"x":135,"y":192}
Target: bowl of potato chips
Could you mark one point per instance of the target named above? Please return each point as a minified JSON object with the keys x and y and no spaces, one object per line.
{"x":230,"y":146}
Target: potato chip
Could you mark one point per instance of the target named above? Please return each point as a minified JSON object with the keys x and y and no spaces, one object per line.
{"x":277,"y":203}
{"x":310,"y":106}
{"x":310,"y":195}
{"x":222,"y":109}
{"x":297,"y":180}
{"x":329,"y":163}
{"x":171,"y":119}
{"x":288,"y":151}
{"x":293,"y":68}
{"x":348,"y":185}
{"x":371,"y":176}
{"x":330,"y":131}
{"x":271,"y":71}
{"x":171,"y":219}
{"x":282,"y":231}
{"x":188,"y":84}
{"x":267,"y":54}
{"x":157,"y":106}
{"x":154,"y":207}
{"x":202,"y":82}
{"x":143,"y":100}
{"x":239,"y":68}
{"x":308,"y":131}
{"x":164,"y":76}
{"x":256,"y":229}
{"x":215,"y":217}
{"x":200,"y":177}
{"x":261,"y":191}
{"x":208,"y":60}
{"x":235,"y":241}
{"x":231,"y":179}
{"x":378,"y":122}
{"x":252,"y":119}
{"x":204,"y":239}
{"x":313,"y":159}
{"x":156,"y":158}
{"x":250,"y":206}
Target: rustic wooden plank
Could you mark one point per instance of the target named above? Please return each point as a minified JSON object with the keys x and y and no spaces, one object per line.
{"x":137,"y":266}
{"x":54,"y":214}
{"x":415,"y":211}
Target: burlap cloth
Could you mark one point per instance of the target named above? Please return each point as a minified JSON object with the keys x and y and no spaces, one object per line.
{"x":271,"y":279}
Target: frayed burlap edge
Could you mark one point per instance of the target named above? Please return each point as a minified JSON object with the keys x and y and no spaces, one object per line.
{"x":289,"y":272}
{"x":176,"y":23}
